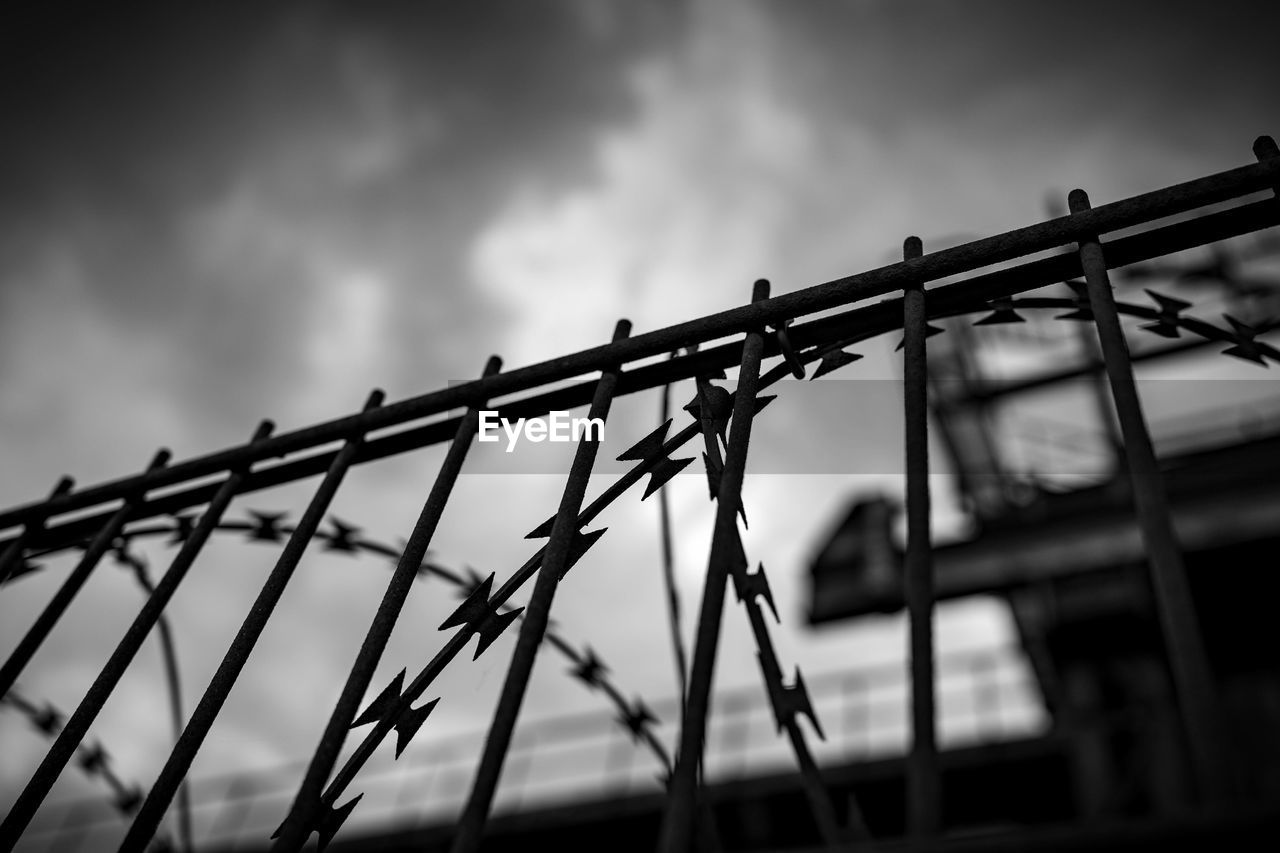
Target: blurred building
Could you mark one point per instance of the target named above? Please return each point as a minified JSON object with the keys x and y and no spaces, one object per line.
{"x":1053,"y":532}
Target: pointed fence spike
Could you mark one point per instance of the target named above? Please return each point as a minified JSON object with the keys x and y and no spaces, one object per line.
{"x":266,"y":526}
{"x":648,"y":447}
{"x":834,"y":361}
{"x":491,"y":627}
{"x":662,"y":474}
{"x":471,"y":584}
{"x":1246,"y":352}
{"x":1166,"y":325}
{"x":1083,"y":313}
{"x":791,"y":700}
{"x":1163,"y":328}
{"x":479,"y":613}
{"x":1245,"y":347}
{"x":48,"y":721}
{"x":929,"y":332}
{"x":637,"y":719}
{"x":342,"y":538}
{"x":1240,"y":328}
{"x":749,"y":586}
{"x":805,"y":704}
{"x":383,"y":704}
{"x":409,"y":723}
{"x":183,"y":525}
{"x":713,"y":475}
{"x":590,"y":669}
{"x":1002,"y":311}
{"x":581,"y":543}
{"x":128,"y":800}
{"x":92,"y":758}
{"x":474,"y":607}
{"x":739,"y":565}
{"x":331,"y":821}
{"x":762,"y":401}
{"x":25,"y":567}
{"x":542,"y":531}
{"x":1167,"y":304}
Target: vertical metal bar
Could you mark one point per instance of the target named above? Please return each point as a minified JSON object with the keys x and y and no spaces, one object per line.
{"x":669,"y":572}
{"x":1264,"y":148}
{"x":12,"y":556}
{"x":169,"y":654}
{"x":682,"y":795}
{"x":1090,"y":353}
{"x":78,"y":725}
{"x":1192,"y":677}
{"x":534,"y":623}
{"x":48,"y":618}
{"x":184,"y":752}
{"x":923,"y":785}
{"x":307,"y":804}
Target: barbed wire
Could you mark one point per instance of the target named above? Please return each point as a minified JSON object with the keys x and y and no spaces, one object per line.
{"x":486,"y":614}
{"x":93,"y":759}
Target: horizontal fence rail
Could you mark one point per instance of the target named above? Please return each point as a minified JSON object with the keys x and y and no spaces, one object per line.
{"x":1046,"y":236}
{"x":866,"y":322}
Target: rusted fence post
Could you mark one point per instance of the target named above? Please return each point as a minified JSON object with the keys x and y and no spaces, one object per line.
{"x":1193,"y":680}
{"x":555,"y":561}
{"x":308,"y":812}
{"x":923,"y":783}
{"x":683,"y":794}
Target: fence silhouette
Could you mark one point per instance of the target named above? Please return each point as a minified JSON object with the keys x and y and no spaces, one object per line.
{"x":986,"y":695}
{"x":984,"y":276}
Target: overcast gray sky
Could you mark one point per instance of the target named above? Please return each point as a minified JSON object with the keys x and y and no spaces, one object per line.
{"x":214,"y":213}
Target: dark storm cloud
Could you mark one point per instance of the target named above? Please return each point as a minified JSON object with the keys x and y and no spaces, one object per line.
{"x":1003,"y":69}
{"x":205,"y":174}
{"x":131,"y":104}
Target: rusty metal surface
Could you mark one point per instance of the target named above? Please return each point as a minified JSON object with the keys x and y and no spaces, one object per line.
{"x":923,"y":789}
{"x":556,"y":561}
{"x":1197,"y":700}
{"x":726,"y":481}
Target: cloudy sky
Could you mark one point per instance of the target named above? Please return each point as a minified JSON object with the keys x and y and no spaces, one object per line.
{"x":214,"y":213}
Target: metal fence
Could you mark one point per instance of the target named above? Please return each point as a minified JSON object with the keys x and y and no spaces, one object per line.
{"x":982,"y":276}
{"x":985,"y":695}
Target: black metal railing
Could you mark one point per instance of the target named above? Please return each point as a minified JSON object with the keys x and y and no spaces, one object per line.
{"x":980,"y":276}
{"x":986,"y":695}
